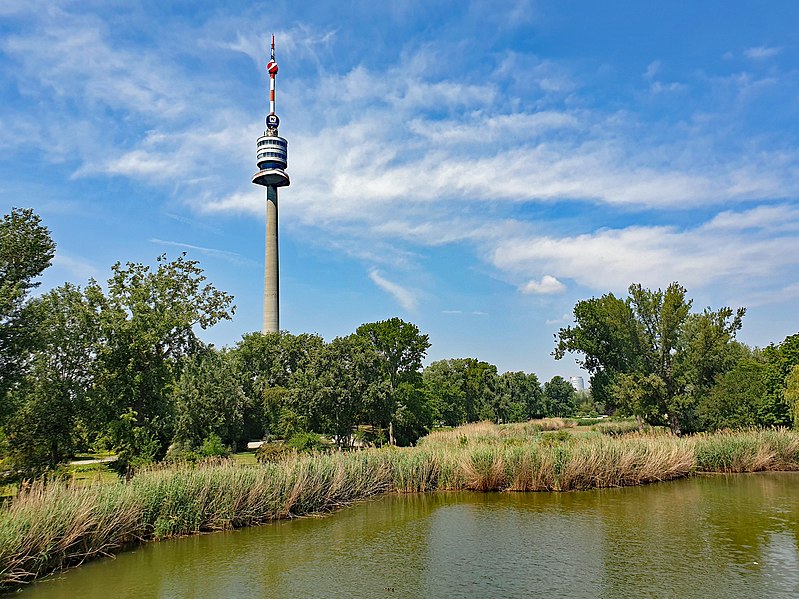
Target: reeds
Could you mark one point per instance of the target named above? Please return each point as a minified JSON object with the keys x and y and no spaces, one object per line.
{"x":56,"y":525}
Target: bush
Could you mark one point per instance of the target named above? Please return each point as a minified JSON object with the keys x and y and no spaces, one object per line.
{"x":307,"y":442}
{"x":213,"y":447}
{"x":273,"y":452}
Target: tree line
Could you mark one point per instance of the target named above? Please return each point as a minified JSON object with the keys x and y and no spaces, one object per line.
{"x":120,"y":367}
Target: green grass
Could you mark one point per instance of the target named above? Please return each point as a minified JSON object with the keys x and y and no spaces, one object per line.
{"x":244,"y":458}
{"x":58,"y":524}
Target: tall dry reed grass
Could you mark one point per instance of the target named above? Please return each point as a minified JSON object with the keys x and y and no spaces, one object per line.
{"x":55,"y":525}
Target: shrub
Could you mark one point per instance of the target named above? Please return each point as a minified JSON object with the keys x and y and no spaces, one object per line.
{"x":213,"y":447}
{"x":307,"y":442}
{"x":273,"y":452}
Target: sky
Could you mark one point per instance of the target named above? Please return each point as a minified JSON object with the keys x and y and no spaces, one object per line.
{"x":475,"y":168}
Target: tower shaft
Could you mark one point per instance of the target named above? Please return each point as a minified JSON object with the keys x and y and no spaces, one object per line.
{"x":271,"y":265}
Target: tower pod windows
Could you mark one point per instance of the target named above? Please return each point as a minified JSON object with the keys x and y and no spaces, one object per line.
{"x":272,"y":152}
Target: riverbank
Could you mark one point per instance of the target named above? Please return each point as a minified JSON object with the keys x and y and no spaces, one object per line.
{"x":52,"y":526}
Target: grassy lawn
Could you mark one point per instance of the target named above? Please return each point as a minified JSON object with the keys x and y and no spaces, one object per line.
{"x":244,"y":458}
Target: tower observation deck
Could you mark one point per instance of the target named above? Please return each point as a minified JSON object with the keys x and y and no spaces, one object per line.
{"x":272,"y":161}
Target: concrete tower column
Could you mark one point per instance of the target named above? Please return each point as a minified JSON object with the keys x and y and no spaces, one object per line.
{"x":271,"y":266}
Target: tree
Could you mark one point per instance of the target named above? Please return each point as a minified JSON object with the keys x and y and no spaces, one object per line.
{"x":559,"y":397}
{"x":147,"y":320}
{"x":445,"y":393}
{"x":774,"y":410}
{"x":333,"y":394}
{"x":401,"y":347}
{"x":607,"y":336}
{"x":707,"y":349}
{"x":519,"y":397}
{"x":208,"y":400}
{"x":267,"y":362}
{"x":52,"y":396}
{"x":734,"y":401}
{"x":461,"y":390}
{"x":792,"y":394}
{"x":635,"y":349}
{"x":26,"y":250}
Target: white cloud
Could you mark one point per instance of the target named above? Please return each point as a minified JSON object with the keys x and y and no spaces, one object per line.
{"x":652,"y":69}
{"x":565,"y":319}
{"x":548,"y":285}
{"x":748,"y":259}
{"x":404,"y":297}
{"x":759,"y":52}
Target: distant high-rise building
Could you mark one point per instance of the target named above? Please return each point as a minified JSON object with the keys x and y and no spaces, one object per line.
{"x":577,"y":383}
{"x":272,"y":160}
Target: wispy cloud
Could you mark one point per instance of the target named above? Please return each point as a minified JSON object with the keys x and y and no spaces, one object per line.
{"x":75,"y":267}
{"x":404,"y":297}
{"x":759,"y":52}
{"x":565,"y":319}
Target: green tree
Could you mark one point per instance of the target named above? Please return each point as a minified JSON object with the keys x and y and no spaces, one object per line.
{"x":645,"y":353}
{"x":792,"y":394}
{"x":270,"y":361}
{"x":707,"y":349}
{"x":607,"y":335}
{"x":52,"y":396}
{"x":26,"y":250}
{"x":461,"y":390}
{"x":734,"y":401}
{"x":334,"y":393}
{"x":147,"y":322}
{"x":445,"y":393}
{"x":560,"y":398}
{"x":401,"y":347}
{"x":519,"y":397}
{"x":774,"y":410}
{"x":208,"y":400}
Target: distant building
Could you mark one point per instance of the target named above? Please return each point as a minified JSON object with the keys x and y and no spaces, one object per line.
{"x":577,"y":383}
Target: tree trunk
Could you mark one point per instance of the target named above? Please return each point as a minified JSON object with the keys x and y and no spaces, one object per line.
{"x":674,"y":424}
{"x":391,"y":432}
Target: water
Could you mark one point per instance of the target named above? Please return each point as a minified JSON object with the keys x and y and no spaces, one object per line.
{"x":717,"y":536}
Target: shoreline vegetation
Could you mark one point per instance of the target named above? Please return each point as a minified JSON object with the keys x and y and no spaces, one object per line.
{"x":54,"y":525}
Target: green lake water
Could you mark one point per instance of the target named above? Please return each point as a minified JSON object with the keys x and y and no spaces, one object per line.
{"x":715,"y":536}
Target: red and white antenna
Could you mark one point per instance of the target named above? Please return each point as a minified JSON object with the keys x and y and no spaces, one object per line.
{"x":271,"y":67}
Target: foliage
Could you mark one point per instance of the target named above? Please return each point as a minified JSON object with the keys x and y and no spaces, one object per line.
{"x":273,"y":452}
{"x":270,"y":361}
{"x":559,"y":397}
{"x":208,"y":400}
{"x":26,"y":250}
{"x":400,"y":348}
{"x":774,"y":410}
{"x":52,"y":397}
{"x":733,"y":402}
{"x":792,"y":394}
{"x":519,"y":397}
{"x":648,"y":355}
{"x":212,"y":446}
{"x":307,"y":442}
{"x":147,"y":321}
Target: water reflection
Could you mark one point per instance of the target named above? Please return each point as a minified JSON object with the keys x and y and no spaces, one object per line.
{"x":715,"y":536}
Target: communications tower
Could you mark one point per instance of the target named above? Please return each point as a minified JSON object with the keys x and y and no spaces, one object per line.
{"x":272,"y":160}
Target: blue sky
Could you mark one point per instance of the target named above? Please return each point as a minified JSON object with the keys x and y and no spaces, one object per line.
{"x":475,"y":168}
